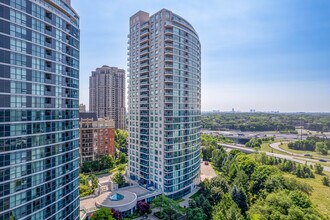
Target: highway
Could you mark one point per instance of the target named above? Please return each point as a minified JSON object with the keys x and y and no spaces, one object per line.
{"x":282,"y":156}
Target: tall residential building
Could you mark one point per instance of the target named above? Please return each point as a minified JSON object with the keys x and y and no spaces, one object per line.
{"x":82,"y":108}
{"x":97,"y":137}
{"x":164,"y":102}
{"x":107,"y":94}
{"x":39,"y":117}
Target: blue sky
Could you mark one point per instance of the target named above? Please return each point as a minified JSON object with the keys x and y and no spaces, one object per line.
{"x":264,"y":55}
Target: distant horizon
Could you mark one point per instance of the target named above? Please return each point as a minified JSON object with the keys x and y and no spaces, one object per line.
{"x":261,"y":55}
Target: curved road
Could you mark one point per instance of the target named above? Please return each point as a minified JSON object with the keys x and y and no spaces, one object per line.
{"x":276,"y":146}
{"x":282,"y":156}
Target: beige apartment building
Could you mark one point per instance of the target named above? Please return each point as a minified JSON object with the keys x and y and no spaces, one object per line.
{"x":107,"y":94}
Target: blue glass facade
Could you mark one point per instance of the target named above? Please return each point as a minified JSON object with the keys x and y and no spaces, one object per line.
{"x":164,"y":102}
{"x":39,"y":110}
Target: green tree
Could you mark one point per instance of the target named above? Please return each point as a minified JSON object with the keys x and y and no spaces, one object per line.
{"x":227,"y":209}
{"x":196,"y":214}
{"x":168,"y":207}
{"x":254,"y":143}
{"x":300,"y":199}
{"x":121,"y":140}
{"x":246,"y":164}
{"x":284,"y":205}
{"x":260,"y":176}
{"x":85,"y":190}
{"x":218,"y":156}
{"x":106,"y":162}
{"x":240,"y":198}
{"x":95,"y":181}
{"x":103,"y":214}
{"x":318,"y":169}
{"x":119,"y":179}
{"x":122,"y":158}
{"x":83,"y":179}
{"x":87,"y":167}
{"x":321,"y":148}
{"x":326,"y":181}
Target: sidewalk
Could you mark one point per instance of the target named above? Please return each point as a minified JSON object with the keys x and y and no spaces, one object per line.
{"x":185,"y":203}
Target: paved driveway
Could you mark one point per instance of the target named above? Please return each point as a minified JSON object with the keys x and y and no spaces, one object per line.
{"x":207,"y":171}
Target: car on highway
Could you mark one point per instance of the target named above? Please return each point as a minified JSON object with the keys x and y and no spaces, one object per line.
{"x":307,"y":155}
{"x":322,"y":160}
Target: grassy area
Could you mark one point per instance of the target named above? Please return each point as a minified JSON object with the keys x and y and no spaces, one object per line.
{"x":120,"y":167}
{"x":179,"y":200}
{"x":265,"y":147}
{"x":195,"y":195}
{"x":321,"y":194}
{"x":312,"y":153}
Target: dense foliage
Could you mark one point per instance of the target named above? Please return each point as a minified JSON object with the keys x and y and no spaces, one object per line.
{"x":210,"y":143}
{"x":121,"y":140}
{"x":86,"y":188}
{"x":311,"y":145}
{"x":102,"y":163}
{"x":254,"y":142}
{"x":284,"y":204}
{"x":168,"y":208}
{"x":143,"y":207}
{"x":303,"y":145}
{"x":265,"y":121}
{"x":103,"y":214}
{"x":253,"y":187}
{"x":119,"y":179}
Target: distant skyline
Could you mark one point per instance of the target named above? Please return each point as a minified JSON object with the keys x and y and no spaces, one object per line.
{"x":263,"y":55}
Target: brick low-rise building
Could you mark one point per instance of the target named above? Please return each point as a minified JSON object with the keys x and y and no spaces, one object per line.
{"x":97,"y":137}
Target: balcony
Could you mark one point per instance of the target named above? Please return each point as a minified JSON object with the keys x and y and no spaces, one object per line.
{"x":144,"y":32}
{"x":143,"y":58}
{"x":168,"y":38}
{"x":168,"y":45}
{"x":168,"y":93}
{"x":168,"y":66}
{"x":144,"y":88}
{"x":168,"y":31}
{"x":168,"y":51}
{"x":144,"y":64}
{"x":145,"y":51}
{"x":144,"y":39}
{"x":144,"y":26}
{"x":168,"y":72}
{"x":144,"y":70}
{"x":143,"y":46}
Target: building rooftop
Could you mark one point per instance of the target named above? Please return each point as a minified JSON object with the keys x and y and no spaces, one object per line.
{"x":85,"y":115}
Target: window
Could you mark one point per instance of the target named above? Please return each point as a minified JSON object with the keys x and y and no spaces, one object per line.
{"x":17,"y":101}
{"x":19,"y":4}
{"x":37,"y":11}
{"x":38,"y":51}
{"x":17,"y":17}
{"x":38,"y":25}
{"x":17,"y":73}
{"x":18,"y":59}
{"x":18,"y":87}
{"x":17,"y":31}
{"x":18,"y":45}
{"x":37,"y":38}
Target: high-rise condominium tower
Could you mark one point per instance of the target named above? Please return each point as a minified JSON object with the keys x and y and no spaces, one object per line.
{"x":107,"y":94}
{"x":39,"y":110}
{"x":164,"y":102}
